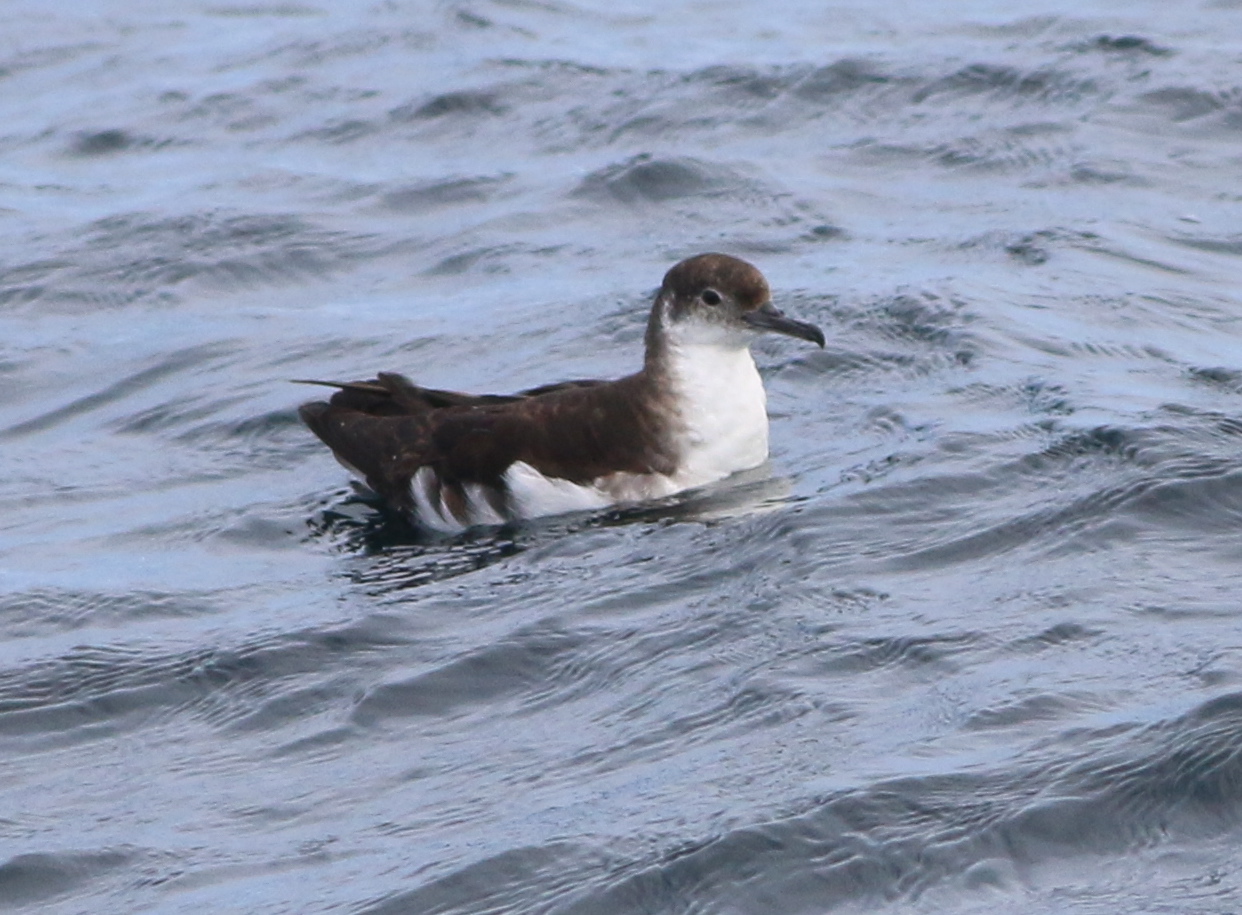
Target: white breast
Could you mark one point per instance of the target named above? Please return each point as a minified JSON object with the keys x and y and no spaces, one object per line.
{"x":723,"y":407}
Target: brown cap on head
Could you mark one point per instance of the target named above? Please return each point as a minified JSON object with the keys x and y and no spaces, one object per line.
{"x":729,"y":275}
{"x":720,"y":290}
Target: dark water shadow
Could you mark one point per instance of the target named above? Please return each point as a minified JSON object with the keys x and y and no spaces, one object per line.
{"x":402,"y":555}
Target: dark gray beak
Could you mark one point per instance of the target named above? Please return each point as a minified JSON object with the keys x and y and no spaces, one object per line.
{"x":766,"y":317}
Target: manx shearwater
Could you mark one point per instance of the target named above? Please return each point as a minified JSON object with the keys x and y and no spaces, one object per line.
{"x":693,"y":414}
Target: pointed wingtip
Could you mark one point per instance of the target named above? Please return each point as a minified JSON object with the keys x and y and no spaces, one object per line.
{"x":312,"y":414}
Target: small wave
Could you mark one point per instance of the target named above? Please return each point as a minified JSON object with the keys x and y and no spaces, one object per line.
{"x":1153,"y":481}
{"x":1186,"y":103}
{"x":1231,"y":244}
{"x":529,"y":878}
{"x":451,"y":104}
{"x":45,"y":611}
{"x":95,"y":693}
{"x":37,"y":878}
{"x":185,"y":360}
{"x":491,"y":677}
{"x":347,"y":130}
{"x":897,"y":840}
{"x":1124,"y":44}
{"x":140,"y":257}
{"x":1045,"y":85}
{"x":108,"y":142}
{"x":444,"y":192}
{"x":645,"y":178}
{"x":932,"y":652}
{"x":909,"y":335}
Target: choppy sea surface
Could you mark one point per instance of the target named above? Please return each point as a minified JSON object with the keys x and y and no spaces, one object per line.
{"x":972,"y":641}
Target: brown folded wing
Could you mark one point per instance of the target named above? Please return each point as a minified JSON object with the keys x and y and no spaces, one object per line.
{"x":388,"y":428}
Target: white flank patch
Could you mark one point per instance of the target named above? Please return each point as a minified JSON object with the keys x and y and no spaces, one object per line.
{"x":481,"y":511}
{"x":533,"y":495}
{"x":429,"y":512}
{"x":435,"y":514}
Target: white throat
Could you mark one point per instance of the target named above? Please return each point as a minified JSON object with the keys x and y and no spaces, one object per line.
{"x":720,"y":398}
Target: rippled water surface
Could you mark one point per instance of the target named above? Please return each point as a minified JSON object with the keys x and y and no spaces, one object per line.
{"x":971,"y":641}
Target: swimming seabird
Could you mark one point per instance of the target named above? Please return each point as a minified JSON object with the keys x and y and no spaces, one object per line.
{"x":693,"y":414}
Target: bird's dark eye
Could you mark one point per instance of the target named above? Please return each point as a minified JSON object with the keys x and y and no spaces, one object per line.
{"x":711,"y":296}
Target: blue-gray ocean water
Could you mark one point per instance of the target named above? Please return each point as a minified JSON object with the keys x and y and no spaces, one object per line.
{"x":970,"y":643}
